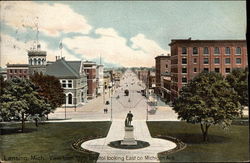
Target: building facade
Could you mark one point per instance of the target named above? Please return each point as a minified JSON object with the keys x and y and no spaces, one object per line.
{"x":37,"y":60}
{"x":17,"y":70}
{"x":190,"y":57}
{"x":99,"y":79}
{"x":90,"y":70}
{"x":162,"y":67}
{"x":73,"y":80}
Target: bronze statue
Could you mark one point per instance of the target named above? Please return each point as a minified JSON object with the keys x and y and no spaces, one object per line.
{"x":128,"y":119}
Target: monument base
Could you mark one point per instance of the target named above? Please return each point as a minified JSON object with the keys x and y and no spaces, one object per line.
{"x":129,"y":136}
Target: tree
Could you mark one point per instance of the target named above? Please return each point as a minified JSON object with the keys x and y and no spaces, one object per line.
{"x":207,"y":100}
{"x":238,"y":81}
{"x":21,"y":100}
{"x":3,"y":84}
{"x":49,"y":88}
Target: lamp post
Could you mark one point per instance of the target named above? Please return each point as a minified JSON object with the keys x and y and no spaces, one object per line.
{"x":75,"y":104}
{"x":65,"y":107}
{"x":111,"y":111}
{"x":147,"y":110}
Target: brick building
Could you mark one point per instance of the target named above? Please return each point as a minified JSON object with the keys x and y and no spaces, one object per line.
{"x":190,"y":57}
{"x":162,"y":67}
{"x":17,"y":70}
{"x":90,"y":70}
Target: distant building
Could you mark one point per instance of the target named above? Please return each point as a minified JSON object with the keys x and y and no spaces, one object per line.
{"x":17,"y":70}
{"x":152,"y":80}
{"x":90,"y":70}
{"x":73,"y":80}
{"x":190,"y":57}
{"x":99,"y":79}
{"x":162,"y":67}
{"x":37,"y":60}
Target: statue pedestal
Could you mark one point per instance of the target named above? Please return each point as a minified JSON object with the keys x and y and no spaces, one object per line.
{"x":129,"y":136}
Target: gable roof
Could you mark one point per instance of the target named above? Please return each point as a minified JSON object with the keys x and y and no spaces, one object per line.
{"x":64,"y":69}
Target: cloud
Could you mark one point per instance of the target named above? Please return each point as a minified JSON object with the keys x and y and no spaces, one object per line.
{"x":114,"y":48}
{"x":52,"y":19}
{"x":13,"y":51}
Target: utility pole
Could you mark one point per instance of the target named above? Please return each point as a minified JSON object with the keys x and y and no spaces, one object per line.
{"x":111,"y":111}
{"x":65,"y":107}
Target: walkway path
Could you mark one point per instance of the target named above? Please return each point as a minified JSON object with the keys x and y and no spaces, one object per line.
{"x":120,"y":108}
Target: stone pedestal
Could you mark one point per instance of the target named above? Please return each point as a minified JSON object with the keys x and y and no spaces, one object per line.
{"x":129,"y":136}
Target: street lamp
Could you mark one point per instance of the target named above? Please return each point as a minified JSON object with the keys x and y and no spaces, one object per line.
{"x":65,"y":106}
{"x":111,"y":111}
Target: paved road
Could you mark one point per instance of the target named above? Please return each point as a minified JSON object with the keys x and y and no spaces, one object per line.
{"x":135,"y":103}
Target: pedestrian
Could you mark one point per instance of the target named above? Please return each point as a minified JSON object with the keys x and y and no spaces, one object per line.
{"x":104,"y":110}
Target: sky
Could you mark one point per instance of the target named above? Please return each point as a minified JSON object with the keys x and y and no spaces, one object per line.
{"x":121,"y":33}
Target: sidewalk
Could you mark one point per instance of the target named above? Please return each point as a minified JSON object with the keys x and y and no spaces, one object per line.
{"x":141,"y":132}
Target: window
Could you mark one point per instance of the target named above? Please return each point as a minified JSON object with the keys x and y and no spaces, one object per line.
{"x":238,"y":60}
{"x":227,"y":60}
{"x":216,"y":50}
{"x":184,"y":70}
{"x":238,"y":50}
{"x":24,"y":71}
{"x":195,"y":60}
{"x":184,"y":50}
{"x":217,"y":70}
{"x":184,"y":60}
{"x":195,"y":69}
{"x":205,"y":60}
{"x":10,"y":71}
{"x":227,"y":50}
{"x":216,"y":60}
{"x":15,"y":71}
{"x":69,"y":83}
{"x":195,"y":50}
{"x":206,"y":69}
{"x":205,"y":50}
{"x":184,"y":80}
{"x":228,"y":70}
{"x":64,"y":83}
{"x":166,"y":65}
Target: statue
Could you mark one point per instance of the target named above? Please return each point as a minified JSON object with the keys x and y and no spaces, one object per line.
{"x":128,"y":119}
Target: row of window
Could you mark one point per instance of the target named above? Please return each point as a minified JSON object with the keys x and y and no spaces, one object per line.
{"x":227,"y":70}
{"x":67,"y":83}
{"x":18,"y":71}
{"x":20,"y":76}
{"x":217,"y":50}
{"x":216,"y":60}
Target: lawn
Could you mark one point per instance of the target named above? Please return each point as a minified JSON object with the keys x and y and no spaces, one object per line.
{"x":224,"y":145}
{"x":50,"y":142}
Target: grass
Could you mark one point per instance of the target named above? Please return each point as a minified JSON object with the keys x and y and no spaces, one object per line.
{"x":50,"y":142}
{"x":223,"y":146}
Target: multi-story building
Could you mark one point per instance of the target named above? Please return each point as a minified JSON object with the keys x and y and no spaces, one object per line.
{"x":37,"y":60}
{"x":162,"y":67}
{"x":99,"y":79}
{"x":143,"y":75}
{"x":73,"y":80}
{"x":90,"y":70}
{"x":190,"y":57}
{"x":17,"y":70}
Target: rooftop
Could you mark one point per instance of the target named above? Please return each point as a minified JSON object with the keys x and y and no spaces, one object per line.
{"x":17,"y":65}
{"x":173,"y":41}
{"x":64,"y":69}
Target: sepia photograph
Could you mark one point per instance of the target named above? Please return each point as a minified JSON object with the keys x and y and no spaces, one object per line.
{"x":123,"y":81}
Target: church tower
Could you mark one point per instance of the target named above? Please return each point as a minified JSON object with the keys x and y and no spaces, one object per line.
{"x":37,"y":60}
